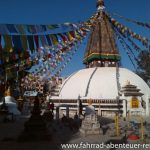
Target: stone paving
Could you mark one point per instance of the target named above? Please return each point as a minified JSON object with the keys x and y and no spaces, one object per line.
{"x":61,"y":134}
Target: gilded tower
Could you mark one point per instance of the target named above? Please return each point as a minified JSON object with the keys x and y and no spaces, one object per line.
{"x":101,"y":49}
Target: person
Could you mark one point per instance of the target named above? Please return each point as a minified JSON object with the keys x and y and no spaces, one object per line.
{"x":64,"y":119}
{"x":80,"y":107}
{"x":125,"y":138}
{"x":47,"y":97}
{"x":52,"y":107}
{"x":76,"y":116}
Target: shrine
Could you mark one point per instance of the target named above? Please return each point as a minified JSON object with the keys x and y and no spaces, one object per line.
{"x":103,"y":78}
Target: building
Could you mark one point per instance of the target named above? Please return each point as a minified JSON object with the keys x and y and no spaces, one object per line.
{"x":111,"y":88}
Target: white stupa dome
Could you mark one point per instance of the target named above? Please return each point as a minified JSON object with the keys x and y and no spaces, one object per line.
{"x":100,"y":83}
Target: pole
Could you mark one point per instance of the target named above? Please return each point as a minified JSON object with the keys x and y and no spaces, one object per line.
{"x":117,"y":124}
{"x":142,"y":128}
{"x":128,"y":120}
{"x":99,"y":108}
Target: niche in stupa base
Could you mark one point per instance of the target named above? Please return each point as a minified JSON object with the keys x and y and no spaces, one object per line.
{"x":134,"y":103}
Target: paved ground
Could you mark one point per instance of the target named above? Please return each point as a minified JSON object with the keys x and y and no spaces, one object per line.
{"x":10,"y":131}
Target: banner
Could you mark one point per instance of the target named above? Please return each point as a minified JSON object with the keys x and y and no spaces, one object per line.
{"x":18,"y":29}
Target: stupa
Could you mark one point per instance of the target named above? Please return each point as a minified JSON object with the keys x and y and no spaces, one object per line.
{"x":10,"y":102}
{"x":90,"y":124}
{"x":103,"y":78}
{"x":35,"y":128}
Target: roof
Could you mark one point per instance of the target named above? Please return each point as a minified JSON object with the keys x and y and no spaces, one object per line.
{"x":101,"y":43}
{"x":99,"y":83}
{"x":131,"y":90}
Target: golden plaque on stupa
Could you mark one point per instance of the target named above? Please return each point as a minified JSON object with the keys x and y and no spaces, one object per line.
{"x":134,"y":102}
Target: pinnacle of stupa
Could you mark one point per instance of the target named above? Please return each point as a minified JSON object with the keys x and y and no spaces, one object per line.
{"x":101,"y":48}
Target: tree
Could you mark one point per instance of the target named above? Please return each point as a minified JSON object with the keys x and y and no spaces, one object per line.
{"x":144,"y":65}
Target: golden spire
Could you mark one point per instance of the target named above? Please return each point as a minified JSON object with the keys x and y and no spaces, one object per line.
{"x":101,"y":47}
{"x":100,"y":4}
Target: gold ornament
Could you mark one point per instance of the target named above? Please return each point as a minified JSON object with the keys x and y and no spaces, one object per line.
{"x":8,"y":92}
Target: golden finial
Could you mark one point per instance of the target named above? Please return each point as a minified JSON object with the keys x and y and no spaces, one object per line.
{"x":8,"y":92}
{"x":127,"y":82}
{"x":100,"y":3}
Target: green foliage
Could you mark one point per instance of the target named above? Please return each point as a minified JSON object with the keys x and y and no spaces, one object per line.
{"x":144,"y":65}
{"x":144,"y":62}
